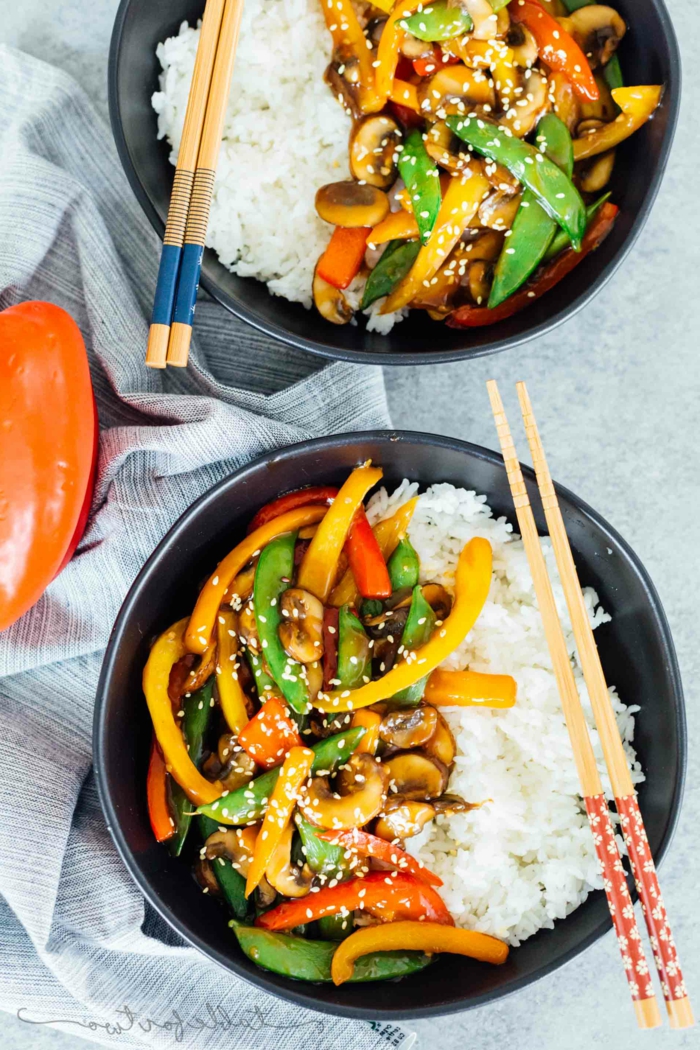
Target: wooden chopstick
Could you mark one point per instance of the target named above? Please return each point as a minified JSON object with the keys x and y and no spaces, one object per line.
{"x":203,"y":188}
{"x":618,"y":897}
{"x":174,"y":236}
{"x":677,"y":1002}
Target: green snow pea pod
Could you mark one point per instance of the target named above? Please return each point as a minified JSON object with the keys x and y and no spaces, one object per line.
{"x":437,"y":22}
{"x":195,"y":722}
{"x":417,"y":631}
{"x":397,"y":259}
{"x":324,"y":858}
{"x":403,"y":566}
{"x":305,"y":960}
{"x":354,"y":653}
{"x":419,"y":171}
{"x":247,"y":804}
{"x":272,"y":577}
{"x":532,"y":229}
{"x":561,"y":241}
{"x":554,"y":191}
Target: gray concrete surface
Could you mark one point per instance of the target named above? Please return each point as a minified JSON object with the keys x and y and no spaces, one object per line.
{"x":616,"y":392}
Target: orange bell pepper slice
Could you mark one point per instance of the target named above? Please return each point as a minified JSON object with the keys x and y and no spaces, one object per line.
{"x":398,"y":226}
{"x":388,"y":50}
{"x":459,"y":206}
{"x":557,"y":48}
{"x":389,"y":534}
{"x":427,"y":937}
{"x":203,"y":618}
{"x":270,"y":735}
{"x":472,"y":583}
{"x":470,"y":689}
{"x":318,"y":569}
{"x":295,"y":770}
{"x":340,"y":263}
{"x":371,"y":846}
{"x":166,"y":651}
{"x":637,"y":105}
{"x":405,"y":94}
{"x":370,"y":722}
{"x":162,"y":823}
{"x":382,"y":893}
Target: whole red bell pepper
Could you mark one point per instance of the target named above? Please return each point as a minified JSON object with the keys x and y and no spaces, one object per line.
{"x":48,"y":450}
{"x":544,"y":279}
{"x":391,"y":896}
{"x":314,"y":494}
{"x":372,"y":846}
{"x":557,"y":47}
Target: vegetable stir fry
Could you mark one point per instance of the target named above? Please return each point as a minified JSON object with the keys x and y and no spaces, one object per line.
{"x":483,"y":140}
{"x":298,"y":740}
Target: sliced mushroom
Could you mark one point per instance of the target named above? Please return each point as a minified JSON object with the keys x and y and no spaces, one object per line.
{"x":236,"y":844}
{"x":202,"y":672}
{"x":564,"y":100}
{"x":499,"y":210}
{"x":597,"y":29}
{"x":287,"y":878}
{"x":343,"y":78}
{"x":442,"y":743}
{"x":484,"y":19}
{"x":436,"y":596}
{"x":448,"y":805}
{"x":361,"y":792}
{"x":479,"y":278}
{"x":442,"y":295}
{"x":501,"y":179}
{"x":416,"y":775}
{"x":265,"y":893}
{"x":231,"y":765}
{"x":531,"y":102}
{"x":373,"y":151}
{"x":403,"y":818}
{"x":406,"y":728}
{"x":413,"y":48}
{"x":350,"y":204}
{"x":301,"y":630}
{"x":595,"y":173}
{"x":330,"y":302}
{"x":455,"y":90}
{"x":523,"y":45}
{"x":205,"y":877}
{"x":313,"y":673}
{"x":585,"y":127}
{"x":241,"y":587}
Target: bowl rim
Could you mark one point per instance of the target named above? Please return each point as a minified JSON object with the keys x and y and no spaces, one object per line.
{"x":398,"y":357}
{"x":259,"y":978}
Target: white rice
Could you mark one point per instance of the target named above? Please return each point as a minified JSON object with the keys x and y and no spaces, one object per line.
{"x":285,"y":135}
{"x":526,"y":857}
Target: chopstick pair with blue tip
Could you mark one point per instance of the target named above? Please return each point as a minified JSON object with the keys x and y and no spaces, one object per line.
{"x":188,"y":213}
{"x":164,"y":300}
{"x":203,"y":186}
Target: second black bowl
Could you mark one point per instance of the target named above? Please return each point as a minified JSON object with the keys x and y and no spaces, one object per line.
{"x":635,"y":647}
{"x":648,"y":55}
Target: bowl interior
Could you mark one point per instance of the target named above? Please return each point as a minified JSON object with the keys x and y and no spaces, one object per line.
{"x":637,"y":654}
{"x":648,"y":56}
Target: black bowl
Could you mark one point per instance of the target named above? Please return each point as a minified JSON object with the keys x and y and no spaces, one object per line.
{"x":649,"y":55}
{"x":636,"y":649}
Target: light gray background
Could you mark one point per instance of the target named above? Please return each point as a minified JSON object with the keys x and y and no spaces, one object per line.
{"x":616,"y":390}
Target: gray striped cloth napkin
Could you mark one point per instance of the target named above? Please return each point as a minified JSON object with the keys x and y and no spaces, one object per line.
{"x":79,"y":949}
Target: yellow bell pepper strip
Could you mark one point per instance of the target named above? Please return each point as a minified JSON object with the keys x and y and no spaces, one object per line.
{"x":389,"y":46}
{"x":348,"y":36}
{"x":166,"y":651}
{"x":389,"y":534}
{"x":203,"y":618}
{"x":429,"y":937}
{"x":470,"y":689}
{"x":472,"y":583}
{"x":295,"y":770}
{"x":370,"y":721}
{"x":398,"y":226}
{"x":637,"y":105}
{"x":403,"y":93}
{"x":458,"y":208}
{"x":231,"y":695}
{"x":317,"y":570}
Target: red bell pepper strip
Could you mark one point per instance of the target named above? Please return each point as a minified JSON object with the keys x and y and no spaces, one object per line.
{"x":157,"y":794}
{"x":330,"y":645}
{"x":366,"y":560}
{"x":372,"y":846}
{"x":270,"y":734}
{"x":425,"y":67}
{"x":406,"y":116}
{"x":290,"y":501}
{"x":557,"y":47}
{"x":340,"y":263}
{"x":544,"y":279}
{"x":389,"y":895}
